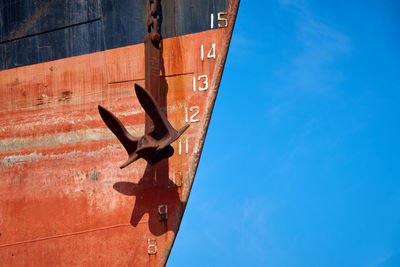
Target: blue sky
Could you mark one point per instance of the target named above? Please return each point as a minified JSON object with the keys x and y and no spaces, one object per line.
{"x":301,"y":164}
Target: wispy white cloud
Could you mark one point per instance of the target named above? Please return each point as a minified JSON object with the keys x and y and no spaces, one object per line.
{"x":299,"y":145}
{"x":278,"y":111}
{"x":384,"y":258}
{"x":243,"y":41}
{"x":321,"y":45}
{"x":242,"y":45}
{"x":297,"y":3}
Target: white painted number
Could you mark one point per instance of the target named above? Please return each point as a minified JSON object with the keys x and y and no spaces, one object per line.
{"x":196,"y":111}
{"x":221,"y":18}
{"x":194,"y":84}
{"x":177,"y":178}
{"x":186,"y":148}
{"x":211,"y":52}
{"x":204,"y":80}
{"x":152,"y":246}
{"x":163,"y":212}
{"x":224,"y":19}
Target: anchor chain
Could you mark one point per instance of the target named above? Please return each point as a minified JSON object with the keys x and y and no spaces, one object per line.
{"x":152,"y":21}
{"x":155,"y":144}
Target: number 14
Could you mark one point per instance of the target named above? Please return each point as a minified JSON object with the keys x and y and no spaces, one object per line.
{"x":211,"y":52}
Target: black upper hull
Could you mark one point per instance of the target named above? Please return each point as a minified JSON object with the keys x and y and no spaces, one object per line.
{"x":36,"y":31}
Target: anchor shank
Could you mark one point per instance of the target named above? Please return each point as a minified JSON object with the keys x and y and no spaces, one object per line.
{"x":152,"y":76}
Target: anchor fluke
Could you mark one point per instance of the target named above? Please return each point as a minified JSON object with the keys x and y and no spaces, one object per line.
{"x":154,"y":146}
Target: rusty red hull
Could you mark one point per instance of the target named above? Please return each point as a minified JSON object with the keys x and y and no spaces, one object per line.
{"x":64,"y":201}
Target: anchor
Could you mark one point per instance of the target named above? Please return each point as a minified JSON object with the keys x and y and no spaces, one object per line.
{"x":155,"y":144}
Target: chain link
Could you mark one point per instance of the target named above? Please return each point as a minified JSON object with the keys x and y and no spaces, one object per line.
{"x":152,"y":21}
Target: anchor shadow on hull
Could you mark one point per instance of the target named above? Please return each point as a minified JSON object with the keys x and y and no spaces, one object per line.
{"x":156,"y":195}
{"x":155,"y":189}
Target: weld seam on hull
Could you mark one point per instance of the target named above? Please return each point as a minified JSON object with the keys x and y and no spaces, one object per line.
{"x":69,"y":234}
{"x":53,"y":30}
{"x":162,"y":76}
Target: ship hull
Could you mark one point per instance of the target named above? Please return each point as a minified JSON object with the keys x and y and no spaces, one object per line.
{"x":64,"y":199}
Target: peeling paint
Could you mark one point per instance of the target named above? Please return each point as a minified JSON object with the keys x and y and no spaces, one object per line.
{"x":93,"y":175}
{"x":16,"y":158}
{"x":64,"y":176}
{"x":36,"y":156}
{"x":96,"y":134}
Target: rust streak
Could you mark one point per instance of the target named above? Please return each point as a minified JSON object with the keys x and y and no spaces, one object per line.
{"x":35,"y":156}
{"x":60,"y":138}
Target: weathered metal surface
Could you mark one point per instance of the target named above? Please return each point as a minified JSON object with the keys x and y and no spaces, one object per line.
{"x":35,"y":31}
{"x":152,"y":58}
{"x":155,"y":145}
{"x":64,"y":201}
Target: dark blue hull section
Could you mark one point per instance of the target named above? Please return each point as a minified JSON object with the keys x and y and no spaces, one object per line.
{"x":35,"y":31}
